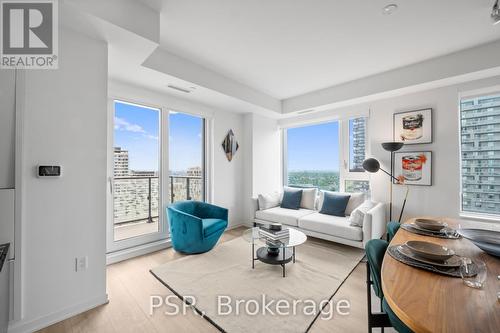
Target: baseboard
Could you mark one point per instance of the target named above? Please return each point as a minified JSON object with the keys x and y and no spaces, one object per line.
{"x":241,"y":224}
{"x":136,"y":251}
{"x":55,"y":317}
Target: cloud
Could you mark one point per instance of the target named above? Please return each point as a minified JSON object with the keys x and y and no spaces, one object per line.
{"x":152,"y":137}
{"x":123,"y":125}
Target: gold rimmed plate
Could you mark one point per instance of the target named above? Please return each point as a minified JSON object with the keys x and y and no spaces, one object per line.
{"x":454,"y":261}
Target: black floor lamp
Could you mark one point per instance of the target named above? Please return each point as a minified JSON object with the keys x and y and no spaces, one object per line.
{"x":372,"y":165}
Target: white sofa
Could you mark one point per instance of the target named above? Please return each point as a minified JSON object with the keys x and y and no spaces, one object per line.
{"x":328,"y":227}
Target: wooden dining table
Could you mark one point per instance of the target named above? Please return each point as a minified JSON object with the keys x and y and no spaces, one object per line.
{"x":431,"y":302}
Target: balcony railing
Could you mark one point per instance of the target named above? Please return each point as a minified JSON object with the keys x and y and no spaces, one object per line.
{"x":193,"y":188}
{"x":137,"y":198}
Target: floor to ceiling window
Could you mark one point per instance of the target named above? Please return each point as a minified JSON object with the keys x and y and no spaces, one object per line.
{"x":480,"y":154}
{"x":157,"y":157}
{"x":327,"y":155}
{"x":186,"y":157}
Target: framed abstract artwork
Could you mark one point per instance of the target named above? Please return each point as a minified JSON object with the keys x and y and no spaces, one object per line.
{"x":230,"y":145}
{"x":413,"y":167}
{"x":413,"y":127}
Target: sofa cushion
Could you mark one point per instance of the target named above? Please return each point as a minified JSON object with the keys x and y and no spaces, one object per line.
{"x":331,"y":225}
{"x":282,"y":215}
{"x":355,"y":200}
{"x":270,"y":200}
{"x":334,"y":204}
{"x":291,"y":198}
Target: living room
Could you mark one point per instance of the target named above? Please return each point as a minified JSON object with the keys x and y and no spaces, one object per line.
{"x":246,"y":166}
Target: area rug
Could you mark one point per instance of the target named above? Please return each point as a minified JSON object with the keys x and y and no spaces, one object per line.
{"x":236,"y":298}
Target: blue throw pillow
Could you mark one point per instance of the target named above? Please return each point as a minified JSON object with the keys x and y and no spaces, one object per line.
{"x":291,"y":199}
{"x":334,"y":204}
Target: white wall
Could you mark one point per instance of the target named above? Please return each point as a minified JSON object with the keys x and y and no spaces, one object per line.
{"x":263,"y":156}
{"x":7,"y":127}
{"x":266,"y":158}
{"x":227,"y":177}
{"x":64,"y":218}
{"x":442,"y":198}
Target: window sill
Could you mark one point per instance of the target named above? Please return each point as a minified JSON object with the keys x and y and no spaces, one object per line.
{"x":480,"y":217}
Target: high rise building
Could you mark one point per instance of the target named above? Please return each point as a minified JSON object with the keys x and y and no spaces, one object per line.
{"x":120,"y":160}
{"x":358,"y":142}
{"x":480,"y":136}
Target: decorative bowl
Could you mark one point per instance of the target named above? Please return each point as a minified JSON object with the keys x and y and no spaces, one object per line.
{"x":430,"y":251}
{"x":431,"y":225}
{"x":486,"y":240}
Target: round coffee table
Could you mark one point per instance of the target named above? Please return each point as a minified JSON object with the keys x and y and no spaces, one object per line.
{"x":276,"y":252}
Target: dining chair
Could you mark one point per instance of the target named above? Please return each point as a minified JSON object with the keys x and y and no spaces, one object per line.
{"x":375,"y":251}
{"x":392,"y":228}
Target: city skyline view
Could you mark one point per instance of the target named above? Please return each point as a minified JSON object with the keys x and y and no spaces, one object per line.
{"x":137,"y":130}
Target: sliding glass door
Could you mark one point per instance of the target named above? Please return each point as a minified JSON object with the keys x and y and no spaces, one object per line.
{"x":136,"y":177}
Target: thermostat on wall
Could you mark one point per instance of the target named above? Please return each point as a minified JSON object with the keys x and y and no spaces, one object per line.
{"x":49,"y":171}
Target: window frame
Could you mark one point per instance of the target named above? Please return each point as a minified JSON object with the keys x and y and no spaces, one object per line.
{"x":494,"y":90}
{"x":344,"y":149}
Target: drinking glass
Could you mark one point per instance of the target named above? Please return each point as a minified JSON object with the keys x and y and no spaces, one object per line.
{"x":468,"y":268}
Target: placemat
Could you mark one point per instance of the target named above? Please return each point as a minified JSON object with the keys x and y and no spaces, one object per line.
{"x":409,"y":228}
{"x":450,"y":271}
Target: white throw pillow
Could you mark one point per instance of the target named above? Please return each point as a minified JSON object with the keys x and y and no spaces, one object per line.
{"x":267,"y":201}
{"x":355,"y":200}
{"x":358,"y":215}
{"x":308,"y":198}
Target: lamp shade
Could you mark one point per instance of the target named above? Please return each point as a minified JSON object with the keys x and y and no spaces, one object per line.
{"x":392,"y":146}
{"x":371,"y":165}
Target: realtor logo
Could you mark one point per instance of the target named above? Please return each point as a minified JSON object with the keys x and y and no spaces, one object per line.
{"x":29,"y":34}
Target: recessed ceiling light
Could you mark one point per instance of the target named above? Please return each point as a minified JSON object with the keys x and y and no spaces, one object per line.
{"x":389,"y":9}
{"x":495,"y":13}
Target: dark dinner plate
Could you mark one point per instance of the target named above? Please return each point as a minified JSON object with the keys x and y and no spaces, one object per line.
{"x":486,"y":240}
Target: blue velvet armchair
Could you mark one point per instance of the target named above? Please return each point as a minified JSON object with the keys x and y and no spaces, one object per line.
{"x":195,"y":227}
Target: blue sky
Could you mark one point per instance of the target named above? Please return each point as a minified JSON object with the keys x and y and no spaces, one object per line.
{"x":137,"y":130}
{"x":185,"y":141}
{"x":313,"y":147}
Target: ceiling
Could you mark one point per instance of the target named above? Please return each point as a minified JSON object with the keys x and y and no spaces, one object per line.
{"x":286,"y":48}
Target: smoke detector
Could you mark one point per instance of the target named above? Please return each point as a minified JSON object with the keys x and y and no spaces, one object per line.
{"x":389,"y":9}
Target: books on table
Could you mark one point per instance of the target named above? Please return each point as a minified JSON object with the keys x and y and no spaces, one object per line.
{"x":274,"y":234}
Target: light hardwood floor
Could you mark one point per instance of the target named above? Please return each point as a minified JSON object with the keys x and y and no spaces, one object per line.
{"x":130,"y":285}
